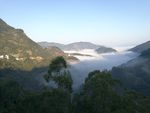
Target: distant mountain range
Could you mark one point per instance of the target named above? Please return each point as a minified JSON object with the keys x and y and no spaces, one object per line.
{"x":78,"y":46}
{"x":18,"y":50}
{"x":51,"y":44}
{"x":135,"y":74}
{"x":105,"y":50}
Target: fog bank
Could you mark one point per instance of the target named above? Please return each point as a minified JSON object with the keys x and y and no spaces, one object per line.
{"x":81,"y":69}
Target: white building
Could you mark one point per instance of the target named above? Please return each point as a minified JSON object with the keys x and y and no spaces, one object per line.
{"x":1,"y":56}
{"x":4,"y":57}
{"x":7,"y":57}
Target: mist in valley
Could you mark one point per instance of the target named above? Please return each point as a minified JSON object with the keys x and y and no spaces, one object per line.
{"x":80,"y":70}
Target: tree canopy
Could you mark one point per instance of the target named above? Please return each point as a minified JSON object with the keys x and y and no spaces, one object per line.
{"x":100,"y":93}
{"x":58,"y":73}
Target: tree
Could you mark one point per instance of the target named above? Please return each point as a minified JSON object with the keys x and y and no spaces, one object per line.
{"x":13,"y":99}
{"x":48,"y":101}
{"x":99,"y":95}
{"x":58,"y":73}
{"x":57,"y":65}
{"x":64,"y":81}
{"x":10,"y":95}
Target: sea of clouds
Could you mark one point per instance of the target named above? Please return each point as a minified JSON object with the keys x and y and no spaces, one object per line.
{"x":80,"y":70}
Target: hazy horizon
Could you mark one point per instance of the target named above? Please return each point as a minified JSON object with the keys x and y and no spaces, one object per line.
{"x":109,"y":23}
{"x":119,"y":47}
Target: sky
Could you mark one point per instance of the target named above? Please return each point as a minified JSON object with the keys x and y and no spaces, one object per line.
{"x":105,"y":22}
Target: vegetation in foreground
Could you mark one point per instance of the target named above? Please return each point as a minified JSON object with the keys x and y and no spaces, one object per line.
{"x":99,"y":94}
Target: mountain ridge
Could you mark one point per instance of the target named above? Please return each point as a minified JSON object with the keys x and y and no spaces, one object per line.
{"x":141,"y":47}
{"x":17,"y":50}
{"x":135,"y":74}
{"x":76,"y":46}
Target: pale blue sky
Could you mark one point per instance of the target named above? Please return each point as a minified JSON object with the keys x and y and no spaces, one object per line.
{"x":105,"y":22}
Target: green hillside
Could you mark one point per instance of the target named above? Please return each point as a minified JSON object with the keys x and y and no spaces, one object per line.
{"x":135,"y":74}
{"x":17,"y":50}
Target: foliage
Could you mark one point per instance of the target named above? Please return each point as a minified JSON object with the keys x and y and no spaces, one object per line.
{"x":51,"y":101}
{"x":64,"y":81}
{"x":57,"y":72}
{"x":99,"y":95}
{"x":10,"y":95}
{"x":15,"y":100}
{"x":57,"y":64}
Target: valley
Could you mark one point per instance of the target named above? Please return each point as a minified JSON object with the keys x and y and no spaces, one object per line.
{"x":50,"y":70}
{"x":82,"y":57}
